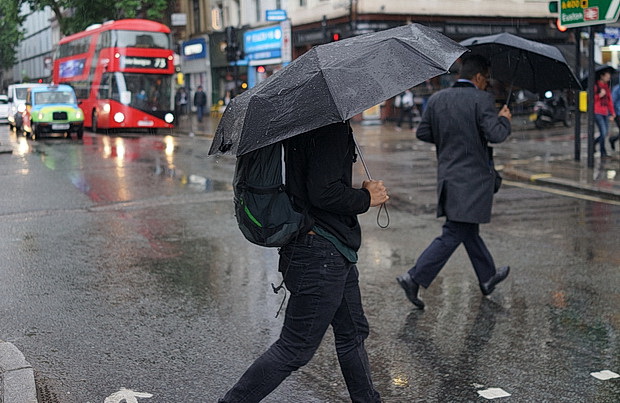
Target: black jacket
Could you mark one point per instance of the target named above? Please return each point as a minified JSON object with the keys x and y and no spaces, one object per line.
{"x":319,"y":169}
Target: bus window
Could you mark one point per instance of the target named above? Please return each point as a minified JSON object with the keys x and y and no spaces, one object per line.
{"x":104,"y":86}
{"x":141,"y":39}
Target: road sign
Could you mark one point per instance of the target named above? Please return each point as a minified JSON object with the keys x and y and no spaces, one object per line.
{"x":581,"y":13}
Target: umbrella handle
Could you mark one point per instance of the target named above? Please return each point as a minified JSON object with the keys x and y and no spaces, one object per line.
{"x":359,"y":153}
{"x":383,"y":205}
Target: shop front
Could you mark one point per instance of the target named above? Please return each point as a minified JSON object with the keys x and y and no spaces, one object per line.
{"x":267,"y":50}
{"x":196,"y":67}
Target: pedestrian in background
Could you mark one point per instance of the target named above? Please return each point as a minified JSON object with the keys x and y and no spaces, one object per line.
{"x":603,"y":109}
{"x":615,"y":96}
{"x":461,"y":121}
{"x":181,"y":101}
{"x":200,"y":100}
{"x":407,"y":104}
{"x":319,"y":267}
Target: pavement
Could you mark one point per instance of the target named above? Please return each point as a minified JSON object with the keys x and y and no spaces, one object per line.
{"x":563,"y":172}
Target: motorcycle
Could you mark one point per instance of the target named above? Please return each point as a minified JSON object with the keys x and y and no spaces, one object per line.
{"x":552,"y":109}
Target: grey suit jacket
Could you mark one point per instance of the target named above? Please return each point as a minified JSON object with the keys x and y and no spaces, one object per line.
{"x":461,"y":121}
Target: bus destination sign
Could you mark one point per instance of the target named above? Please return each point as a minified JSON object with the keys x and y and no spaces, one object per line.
{"x":141,"y":62}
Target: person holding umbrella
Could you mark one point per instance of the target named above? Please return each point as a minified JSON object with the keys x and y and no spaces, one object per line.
{"x":461,"y":121}
{"x":603,"y":109}
{"x":319,"y":267}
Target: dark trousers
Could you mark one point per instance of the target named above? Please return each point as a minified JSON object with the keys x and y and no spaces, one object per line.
{"x":436,"y":255}
{"x":324,"y":290}
{"x":405,"y":113}
{"x":200,"y":111}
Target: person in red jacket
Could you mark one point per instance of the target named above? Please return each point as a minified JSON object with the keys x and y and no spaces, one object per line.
{"x":603,"y":109}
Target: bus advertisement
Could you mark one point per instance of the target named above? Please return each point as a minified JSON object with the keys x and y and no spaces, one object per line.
{"x":122,"y":73}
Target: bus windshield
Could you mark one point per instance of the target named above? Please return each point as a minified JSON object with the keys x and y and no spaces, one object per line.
{"x":147,"y":92}
{"x":141,"y":39}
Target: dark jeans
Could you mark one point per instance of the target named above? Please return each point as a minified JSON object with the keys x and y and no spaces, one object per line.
{"x":200,"y":111}
{"x":324,"y":290}
{"x":602,"y":121}
{"x":436,"y":255}
{"x":408,"y":113}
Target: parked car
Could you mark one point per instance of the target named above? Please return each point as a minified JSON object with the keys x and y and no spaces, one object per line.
{"x":52,"y":110}
{"x":17,"y":103}
{"x":4,"y":109}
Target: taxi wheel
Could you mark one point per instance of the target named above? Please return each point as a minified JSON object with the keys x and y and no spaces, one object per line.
{"x":80,"y":134}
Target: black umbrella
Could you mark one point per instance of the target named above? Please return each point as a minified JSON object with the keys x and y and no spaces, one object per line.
{"x":524,"y":63}
{"x":599,"y":69}
{"x":332,"y":83}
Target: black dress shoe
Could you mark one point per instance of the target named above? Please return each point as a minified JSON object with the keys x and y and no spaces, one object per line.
{"x":488,"y":287}
{"x":411,"y":289}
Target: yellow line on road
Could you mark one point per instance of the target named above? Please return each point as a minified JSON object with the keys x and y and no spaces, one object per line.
{"x":561,"y":192}
{"x":539,"y":176}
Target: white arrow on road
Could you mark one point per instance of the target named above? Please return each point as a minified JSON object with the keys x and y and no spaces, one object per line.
{"x":127,"y":395}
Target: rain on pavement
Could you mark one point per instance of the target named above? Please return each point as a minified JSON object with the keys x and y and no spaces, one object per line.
{"x":124,"y":268}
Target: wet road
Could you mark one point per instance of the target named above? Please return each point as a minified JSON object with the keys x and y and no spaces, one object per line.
{"x":123,"y":268}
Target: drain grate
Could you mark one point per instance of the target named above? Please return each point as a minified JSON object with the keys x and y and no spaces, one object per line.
{"x":44,"y":392}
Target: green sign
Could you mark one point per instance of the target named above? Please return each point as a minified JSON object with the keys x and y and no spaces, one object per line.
{"x":581,"y":13}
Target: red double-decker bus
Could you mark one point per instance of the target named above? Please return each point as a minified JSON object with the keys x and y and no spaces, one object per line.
{"x":121,"y":72}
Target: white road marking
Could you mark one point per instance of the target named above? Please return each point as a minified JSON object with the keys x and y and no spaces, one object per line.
{"x":604,"y":375}
{"x":128,"y":395}
{"x":493,"y":393}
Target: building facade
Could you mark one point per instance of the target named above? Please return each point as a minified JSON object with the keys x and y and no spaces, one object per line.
{"x":270,"y":33}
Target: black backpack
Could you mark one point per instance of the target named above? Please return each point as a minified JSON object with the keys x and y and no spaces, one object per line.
{"x":263,"y":210}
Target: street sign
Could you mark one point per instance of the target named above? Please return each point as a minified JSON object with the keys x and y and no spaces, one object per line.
{"x":582,"y":13}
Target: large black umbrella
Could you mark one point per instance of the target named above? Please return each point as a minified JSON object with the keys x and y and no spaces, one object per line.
{"x":332,"y":83}
{"x":599,"y":69}
{"x":524,"y":63}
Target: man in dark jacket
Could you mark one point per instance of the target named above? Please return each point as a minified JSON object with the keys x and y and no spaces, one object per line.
{"x":460,"y":121}
{"x":200,"y":100}
{"x":319,"y":267}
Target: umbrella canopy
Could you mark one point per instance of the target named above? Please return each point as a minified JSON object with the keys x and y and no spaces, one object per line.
{"x":523,"y":63}
{"x":599,"y":69}
{"x":332,"y":83}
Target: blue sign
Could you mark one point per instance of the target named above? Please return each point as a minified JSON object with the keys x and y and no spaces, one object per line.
{"x":262,"y":40}
{"x":195,"y":49}
{"x":276,"y":15}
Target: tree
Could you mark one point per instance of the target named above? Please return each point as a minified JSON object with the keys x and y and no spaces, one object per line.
{"x":75,"y":15}
{"x":10,"y":32}
{"x":72,"y":16}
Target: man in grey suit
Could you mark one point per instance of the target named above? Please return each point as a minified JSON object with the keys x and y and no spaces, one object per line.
{"x":461,"y":121}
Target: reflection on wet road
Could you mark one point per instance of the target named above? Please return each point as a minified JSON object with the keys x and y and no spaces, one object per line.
{"x":123,"y":268}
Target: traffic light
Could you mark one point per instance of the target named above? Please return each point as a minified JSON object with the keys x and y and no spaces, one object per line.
{"x":553,"y":6}
{"x":335,"y":36}
{"x":232,"y":48}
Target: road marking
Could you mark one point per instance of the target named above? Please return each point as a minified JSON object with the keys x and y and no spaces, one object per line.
{"x":604,"y":375}
{"x":493,"y":393}
{"x":127,"y":395}
{"x":560,"y":192}
{"x":539,"y":176}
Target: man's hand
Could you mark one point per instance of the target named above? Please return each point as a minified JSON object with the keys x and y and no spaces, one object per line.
{"x":378,"y":192}
{"x":505,"y":112}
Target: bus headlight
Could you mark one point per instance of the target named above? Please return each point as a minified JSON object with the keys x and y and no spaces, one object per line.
{"x":119,"y":117}
{"x":106,"y":108}
{"x":169,"y":118}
